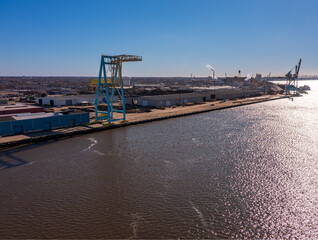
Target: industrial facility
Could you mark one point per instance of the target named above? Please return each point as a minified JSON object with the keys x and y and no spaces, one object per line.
{"x":199,"y":96}
{"x":68,"y":100}
{"x":35,"y":122}
{"x":108,"y":95}
{"x":19,"y":108}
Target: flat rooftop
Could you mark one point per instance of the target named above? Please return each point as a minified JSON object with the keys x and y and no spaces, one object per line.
{"x":172,"y":96}
{"x":26,"y":116}
{"x":204,"y":92}
{"x":17,"y":106}
{"x":70,"y":97}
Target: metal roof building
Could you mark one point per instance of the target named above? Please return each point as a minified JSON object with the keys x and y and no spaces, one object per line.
{"x":182,"y":98}
{"x":35,"y":122}
{"x":67,"y":100}
{"x":19,"y":108}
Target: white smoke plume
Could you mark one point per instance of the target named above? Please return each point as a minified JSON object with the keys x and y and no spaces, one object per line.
{"x":210,"y":67}
{"x":248,"y":77}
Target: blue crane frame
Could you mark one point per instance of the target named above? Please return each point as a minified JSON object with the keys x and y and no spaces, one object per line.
{"x":108,"y":87}
{"x":292,"y":80}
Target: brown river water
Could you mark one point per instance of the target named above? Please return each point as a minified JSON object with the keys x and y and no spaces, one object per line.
{"x":246,"y":172}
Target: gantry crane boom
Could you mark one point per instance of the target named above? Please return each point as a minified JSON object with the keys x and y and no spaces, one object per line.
{"x":298,"y":68}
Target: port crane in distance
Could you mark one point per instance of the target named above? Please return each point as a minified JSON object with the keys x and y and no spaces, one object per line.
{"x":292,"y":80}
{"x":110,"y":88}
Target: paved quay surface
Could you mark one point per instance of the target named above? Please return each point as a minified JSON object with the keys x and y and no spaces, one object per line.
{"x":133,"y":118}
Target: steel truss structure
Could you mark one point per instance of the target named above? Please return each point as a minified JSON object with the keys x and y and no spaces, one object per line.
{"x":292,"y":80}
{"x":111,"y":89}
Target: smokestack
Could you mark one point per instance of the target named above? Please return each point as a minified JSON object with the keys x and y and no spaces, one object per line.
{"x":212,"y":69}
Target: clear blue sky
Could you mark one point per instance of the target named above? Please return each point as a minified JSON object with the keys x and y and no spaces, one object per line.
{"x":174,"y":37}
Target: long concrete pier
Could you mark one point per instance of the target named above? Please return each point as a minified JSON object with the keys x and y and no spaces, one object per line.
{"x":132,"y":119}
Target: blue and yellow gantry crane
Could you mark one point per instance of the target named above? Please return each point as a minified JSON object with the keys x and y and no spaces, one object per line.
{"x":110,"y":89}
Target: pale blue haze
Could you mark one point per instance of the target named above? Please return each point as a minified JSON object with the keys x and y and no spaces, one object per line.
{"x":175,"y":38}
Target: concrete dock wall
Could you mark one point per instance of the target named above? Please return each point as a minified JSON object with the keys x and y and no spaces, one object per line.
{"x":101,"y":127}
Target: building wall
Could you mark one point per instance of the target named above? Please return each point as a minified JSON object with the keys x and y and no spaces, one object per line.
{"x":3,"y":101}
{"x":126,"y":81}
{"x":175,"y":99}
{"x":42,"y":124}
{"x":179,"y":99}
{"x":68,"y":102}
{"x":237,"y":93}
{"x":58,"y":102}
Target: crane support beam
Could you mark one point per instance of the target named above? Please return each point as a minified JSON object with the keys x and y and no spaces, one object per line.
{"x":123,"y":58}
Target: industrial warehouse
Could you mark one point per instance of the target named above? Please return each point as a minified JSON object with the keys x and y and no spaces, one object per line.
{"x":35,"y":122}
{"x":67,"y":100}
{"x":183,"y":98}
{"x":19,"y":108}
